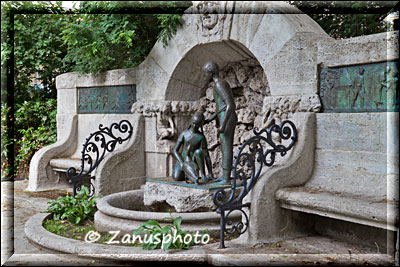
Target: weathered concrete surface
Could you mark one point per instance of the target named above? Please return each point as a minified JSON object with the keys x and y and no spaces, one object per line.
{"x":74,"y":128}
{"x":362,"y":210}
{"x":16,"y":250}
{"x":304,"y":250}
{"x":359,"y":50}
{"x":73,"y":80}
{"x":351,"y":155}
{"x":355,"y":178}
{"x":295,"y":169}
{"x":124,"y":169}
{"x":183,"y":199}
{"x":126,"y":211}
{"x":308,"y":250}
{"x":41,"y":174}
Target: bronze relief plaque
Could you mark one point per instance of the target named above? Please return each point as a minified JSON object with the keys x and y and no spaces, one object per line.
{"x":106,"y":99}
{"x":360,"y":88}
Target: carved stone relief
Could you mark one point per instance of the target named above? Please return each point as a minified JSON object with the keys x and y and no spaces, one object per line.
{"x":165,"y":113}
{"x":212,"y":15}
{"x":279,"y":108}
{"x":360,"y":88}
{"x":255,"y":107}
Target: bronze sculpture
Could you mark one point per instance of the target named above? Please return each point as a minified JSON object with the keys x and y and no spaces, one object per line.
{"x":194,"y":153}
{"x":225,"y":116}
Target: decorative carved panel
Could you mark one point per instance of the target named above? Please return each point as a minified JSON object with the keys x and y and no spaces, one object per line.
{"x":360,"y":88}
{"x":106,"y":99}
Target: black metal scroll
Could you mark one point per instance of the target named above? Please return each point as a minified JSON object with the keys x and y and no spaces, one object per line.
{"x":247,"y":166}
{"x":94,"y":149}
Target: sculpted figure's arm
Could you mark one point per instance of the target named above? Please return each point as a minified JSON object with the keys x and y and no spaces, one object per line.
{"x":207,"y":158}
{"x":224,"y":92}
{"x":177,"y":147}
{"x":212,"y":117}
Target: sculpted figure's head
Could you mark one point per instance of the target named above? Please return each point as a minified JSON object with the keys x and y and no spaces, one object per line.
{"x":197,"y":119}
{"x":209,"y":69}
{"x":209,"y":13}
{"x":212,"y":14}
{"x":167,"y":108}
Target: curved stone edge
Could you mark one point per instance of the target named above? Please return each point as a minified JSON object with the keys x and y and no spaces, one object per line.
{"x":35,"y":232}
{"x":104,"y":223}
{"x":103,"y":205}
{"x":124,"y":169}
{"x":41,"y":175}
{"x":294,"y":172}
{"x":38,"y":235}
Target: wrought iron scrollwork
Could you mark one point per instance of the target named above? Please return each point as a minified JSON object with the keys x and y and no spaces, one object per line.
{"x":252,"y":155}
{"x":94,"y":150}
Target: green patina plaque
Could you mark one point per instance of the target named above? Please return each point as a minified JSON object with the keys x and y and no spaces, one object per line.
{"x":106,"y":99}
{"x":361,"y":88}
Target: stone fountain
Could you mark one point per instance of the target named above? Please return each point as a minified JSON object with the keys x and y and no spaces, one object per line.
{"x":189,"y":193}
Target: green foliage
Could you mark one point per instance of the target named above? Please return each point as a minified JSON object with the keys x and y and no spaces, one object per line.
{"x":70,"y":230}
{"x":153,"y":228}
{"x":55,"y":226}
{"x":35,"y":124}
{"x":74,"y":209}
{"x":345,"y":19}
{"x":100,"y":42}
{"x":99,"y":36}
{"x":38,"y":47}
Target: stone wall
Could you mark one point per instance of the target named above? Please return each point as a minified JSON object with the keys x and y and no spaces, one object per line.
{"x":354,"y":152}
{"x":122,"y":170}
{"x":272,"y":61}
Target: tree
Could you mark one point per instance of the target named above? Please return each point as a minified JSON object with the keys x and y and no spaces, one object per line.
{"x":122,"y":37}
{"x":31,"y":48}
{"x":345,"y":19}
{"x":40,"y":41}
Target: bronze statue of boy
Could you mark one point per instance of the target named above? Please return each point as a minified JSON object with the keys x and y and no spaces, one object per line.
{"x":194,"y":153}
{"x":225,"y":116}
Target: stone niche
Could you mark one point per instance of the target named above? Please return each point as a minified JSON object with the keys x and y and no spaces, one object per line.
{"x":249,"y":85}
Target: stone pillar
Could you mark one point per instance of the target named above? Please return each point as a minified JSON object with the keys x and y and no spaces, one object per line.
{"x":41,"y":174}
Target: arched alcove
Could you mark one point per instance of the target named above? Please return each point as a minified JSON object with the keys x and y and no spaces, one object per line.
{"x":243,"y":72}
{"x":185,"y":80}
{"x":283,"y":44}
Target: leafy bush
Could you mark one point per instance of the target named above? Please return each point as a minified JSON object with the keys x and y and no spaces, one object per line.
{"x":74,"y":209}
{"x":121,"y":38}
{"x":35,"y":127}
{"x":152,"y":228}
{"x":97,"y":36}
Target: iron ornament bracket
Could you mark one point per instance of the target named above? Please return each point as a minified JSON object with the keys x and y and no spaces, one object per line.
{"x":248,"y":164}
{"x":93,"y":152}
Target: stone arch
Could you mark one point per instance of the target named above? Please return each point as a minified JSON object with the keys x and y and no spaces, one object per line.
{"x":284,"y":44}
{"x":185,"y":80}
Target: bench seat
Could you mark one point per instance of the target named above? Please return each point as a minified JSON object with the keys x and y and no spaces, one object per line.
{"x":359,"y":209}
{"x":62,"y":164}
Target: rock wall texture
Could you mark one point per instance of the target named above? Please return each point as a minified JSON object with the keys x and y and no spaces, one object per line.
{"x":249,"y":86}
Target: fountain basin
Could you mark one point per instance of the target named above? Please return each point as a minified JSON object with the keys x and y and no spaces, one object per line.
{"x":125,"y":212}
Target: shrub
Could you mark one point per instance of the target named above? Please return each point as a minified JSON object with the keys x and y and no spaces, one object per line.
{"x":74,"y":209}
{"x":152,"y":229}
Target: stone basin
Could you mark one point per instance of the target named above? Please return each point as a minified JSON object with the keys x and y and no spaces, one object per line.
{"x":125,"y":212}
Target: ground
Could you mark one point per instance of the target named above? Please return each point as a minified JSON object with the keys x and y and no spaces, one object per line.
{"x":307,"y":250}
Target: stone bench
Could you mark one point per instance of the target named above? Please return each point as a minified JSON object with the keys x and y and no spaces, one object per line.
{"x":355,"y":175}
{"x":62,"y":164}
{"x":98,"y":144}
